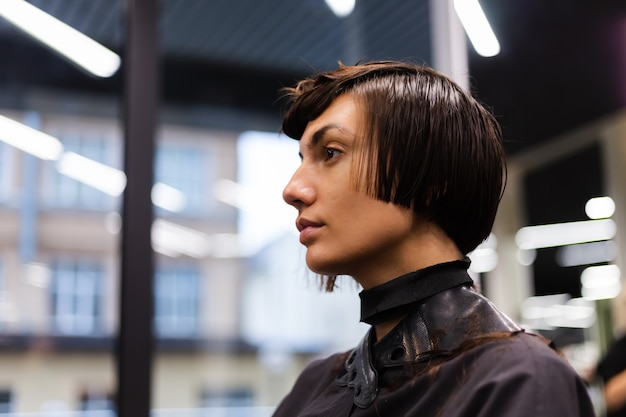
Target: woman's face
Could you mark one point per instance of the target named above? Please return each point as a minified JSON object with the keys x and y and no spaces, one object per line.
{"x":345,"y":230}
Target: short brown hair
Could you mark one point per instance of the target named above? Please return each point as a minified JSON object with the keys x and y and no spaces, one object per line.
{"x":436,"y":149}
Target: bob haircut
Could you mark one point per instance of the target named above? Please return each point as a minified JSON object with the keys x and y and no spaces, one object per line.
{"x":436,"y":149}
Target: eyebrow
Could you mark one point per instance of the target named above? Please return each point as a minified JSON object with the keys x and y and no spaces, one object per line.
{"x":319,"y":134}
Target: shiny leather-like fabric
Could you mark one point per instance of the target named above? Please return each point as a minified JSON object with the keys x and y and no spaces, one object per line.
{"x":439,"y":327}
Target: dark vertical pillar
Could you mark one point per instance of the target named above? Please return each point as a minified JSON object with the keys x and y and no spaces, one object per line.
{"x":141,"y":85}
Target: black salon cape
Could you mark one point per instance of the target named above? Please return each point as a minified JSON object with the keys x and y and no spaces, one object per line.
{"x":518,"y":376}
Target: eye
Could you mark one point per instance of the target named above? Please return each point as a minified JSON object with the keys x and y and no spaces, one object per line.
{"x":331,"y":153}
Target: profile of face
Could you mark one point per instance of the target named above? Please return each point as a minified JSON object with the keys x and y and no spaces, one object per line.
{"x":345,"y":230}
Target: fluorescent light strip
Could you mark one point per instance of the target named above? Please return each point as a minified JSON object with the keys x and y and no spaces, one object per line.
{"x":600,"y":208}
{"x":600,"y":276}
{"x":477,"y":27}
{"x":600,"y":282}
{"x":100,"y":176}
{"x":113,"y":181}
{"x":60,"y":37}
{"x":173,"y":240}
{"x":88,"y":171}
{"x":341,"y":8}
{"x":561,"y":234}
{"x":169,"y":237}
{"x":29,"y":140}
{"x":234,"y":194}
{"x":168,"y":198}
{"x":587,"y":253}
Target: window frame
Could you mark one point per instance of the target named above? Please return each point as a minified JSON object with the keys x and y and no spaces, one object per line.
{"x":76,"y":271}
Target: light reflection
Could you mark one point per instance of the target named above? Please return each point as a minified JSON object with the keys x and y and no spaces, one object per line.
{"x":485,"y":257}
{"x":600,"y":282}
{"x":234,"y":194}
{"x":100,"y":176}
{"x":526,"y":257}
{"x":173,"y":240}
{"x":29,"y":140}
{"x":600,"y":208}
{"x":586,"y":253}
{"x":557,"y":310}
{"x":168,"y":198}
{"x":560,"y":234}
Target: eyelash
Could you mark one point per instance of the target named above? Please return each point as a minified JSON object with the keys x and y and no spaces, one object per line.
{"x":331,"y":153}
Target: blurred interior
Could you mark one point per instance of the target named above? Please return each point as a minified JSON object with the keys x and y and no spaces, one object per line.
{"x":146,"y":257}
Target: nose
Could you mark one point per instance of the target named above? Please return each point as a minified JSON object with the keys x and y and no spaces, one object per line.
{"x":299,"y":191}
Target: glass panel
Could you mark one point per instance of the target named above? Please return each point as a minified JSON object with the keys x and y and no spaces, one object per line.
{"x":176,"y":303}
{"x":5,"y":401}
{"x":59,"y":220}
{"x":76,"y":292}
{"x":6,"y":173}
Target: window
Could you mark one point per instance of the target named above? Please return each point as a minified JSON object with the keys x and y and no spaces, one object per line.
{"x":97,"y":401}
{"x":6,"y":167}
{"x":76,"y":295}
{"x":228,"y":398}
{"x":68,"y":192}
{"x":184,"y":167}
{"x":4,"y":307}
{"x":176,"y":303}
{"x":5,"y":401}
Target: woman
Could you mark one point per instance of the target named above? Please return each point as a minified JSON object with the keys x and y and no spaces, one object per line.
{"x":401,"y":176}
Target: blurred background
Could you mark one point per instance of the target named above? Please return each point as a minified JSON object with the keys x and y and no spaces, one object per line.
{"x":146,"y":257}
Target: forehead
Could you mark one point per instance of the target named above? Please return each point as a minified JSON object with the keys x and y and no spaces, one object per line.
{"x":342,"y":116}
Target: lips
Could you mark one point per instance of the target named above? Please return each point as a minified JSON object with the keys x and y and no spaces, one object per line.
{"x":307,"y":228}
{"x":302,"y":224}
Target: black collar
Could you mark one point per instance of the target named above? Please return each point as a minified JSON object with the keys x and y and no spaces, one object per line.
{"x":399,"y":296}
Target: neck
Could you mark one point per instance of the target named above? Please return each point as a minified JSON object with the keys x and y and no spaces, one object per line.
{"x":429,"y":246}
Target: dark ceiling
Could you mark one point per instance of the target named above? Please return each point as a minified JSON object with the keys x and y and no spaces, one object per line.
{"x":562,"y":62}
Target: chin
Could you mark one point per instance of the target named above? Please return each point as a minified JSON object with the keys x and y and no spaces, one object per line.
{"x":323,"y":266}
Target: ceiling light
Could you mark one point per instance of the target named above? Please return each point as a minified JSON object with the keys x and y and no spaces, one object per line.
{"x":29,"y":140}
{"x":600,"y":208}
{"x":172,"y":238}
{"x":587,"y":253}
{"x":600,"y":282}
{"x":341,"y":8}
{"x":67,"y":41}
{"x":100,"y":176}
{"x":168,"y":198}
{"x":485,"y":258}
{"x":113,"y":181}
{"x":561,"y":234}
{"x":477,"y":27}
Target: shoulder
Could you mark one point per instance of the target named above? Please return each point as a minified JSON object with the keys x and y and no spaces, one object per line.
{"x":518,"y":376}
{"x":312,"y":381}
{"x":525,"y":347}
{"x":322,"y":369}
{"x":523,"y":358}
